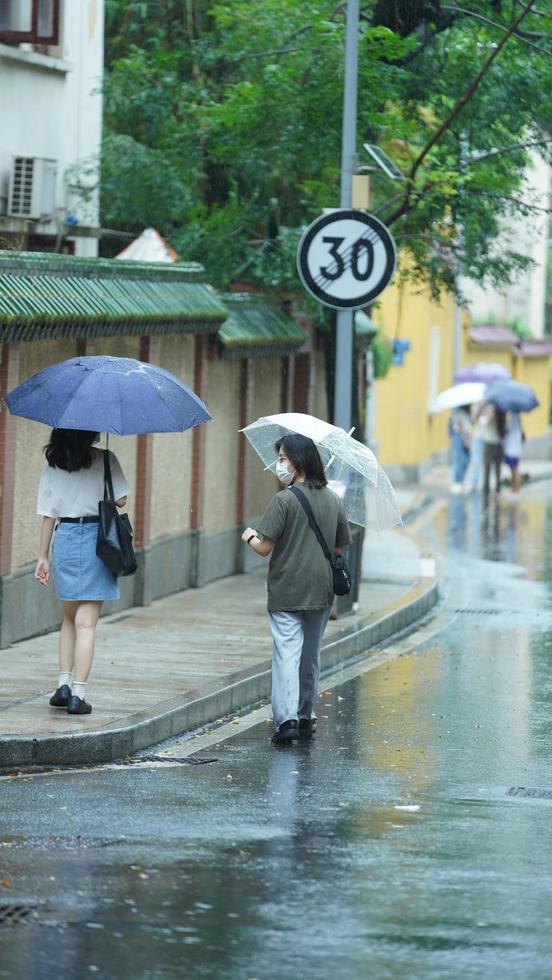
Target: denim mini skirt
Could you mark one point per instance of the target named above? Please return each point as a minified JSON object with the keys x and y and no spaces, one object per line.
{"x":79,"y":574}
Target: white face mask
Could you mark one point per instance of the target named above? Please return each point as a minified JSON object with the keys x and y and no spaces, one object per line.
{"x":282,"y":473}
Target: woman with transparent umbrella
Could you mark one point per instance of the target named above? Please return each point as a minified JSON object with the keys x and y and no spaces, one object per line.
{"x":300,"y":583}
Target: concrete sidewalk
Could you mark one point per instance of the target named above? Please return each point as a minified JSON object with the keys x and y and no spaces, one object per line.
{"x":193,"y":657}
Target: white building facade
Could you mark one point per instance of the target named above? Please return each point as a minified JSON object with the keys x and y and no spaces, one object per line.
{"x":51,"y":72}
{"x":525,"y":298}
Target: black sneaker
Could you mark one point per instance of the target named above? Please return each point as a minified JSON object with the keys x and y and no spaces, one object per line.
{"x":60,"y":698}
{"x":307,"y":727}
{"x":287,"y":733}
{"x":78,"y":706}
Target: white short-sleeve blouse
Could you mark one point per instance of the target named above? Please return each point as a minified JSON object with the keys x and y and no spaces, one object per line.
{"x":76,"y":494}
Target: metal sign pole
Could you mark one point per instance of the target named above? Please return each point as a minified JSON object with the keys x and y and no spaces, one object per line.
{"x":345,"y":318}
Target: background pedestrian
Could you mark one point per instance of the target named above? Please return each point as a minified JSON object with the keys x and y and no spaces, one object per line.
{"x":513,"y":443}
{"x":70,"y":487}
{"x":493,"y":430}
{"x":460,"y":432}
{"x":300,"y":582}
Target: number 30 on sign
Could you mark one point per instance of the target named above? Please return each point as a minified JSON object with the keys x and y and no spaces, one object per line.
{"x":345,"y":259}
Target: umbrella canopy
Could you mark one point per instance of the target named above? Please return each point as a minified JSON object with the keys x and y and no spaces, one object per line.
{"x":482,"y":372}
{"x":463,"y":394}
{"x":108,"y":394}
{"x":352,"y":470}
{"x":511,"y":396}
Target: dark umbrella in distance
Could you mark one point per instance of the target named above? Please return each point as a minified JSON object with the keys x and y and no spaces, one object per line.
{"x":511,"y":396}
{"x":108,"y":394}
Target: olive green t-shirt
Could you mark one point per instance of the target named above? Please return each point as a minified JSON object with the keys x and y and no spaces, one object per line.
{"x":299,"y":574}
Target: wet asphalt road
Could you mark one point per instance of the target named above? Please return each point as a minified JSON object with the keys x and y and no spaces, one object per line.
{"x":400,"y":843}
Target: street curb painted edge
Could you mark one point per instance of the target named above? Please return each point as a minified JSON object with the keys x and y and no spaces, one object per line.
{"x":86,"y":748}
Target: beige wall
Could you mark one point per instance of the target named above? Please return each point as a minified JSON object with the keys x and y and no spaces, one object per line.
{"x":221,"y":465}
{"x":262,"y":485}
{"x":31,"y":437}
{"x":172,"y":451}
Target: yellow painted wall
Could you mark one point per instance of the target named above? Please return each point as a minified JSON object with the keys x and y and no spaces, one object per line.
{"x":405,"y":432}
{"x":535,"y":372}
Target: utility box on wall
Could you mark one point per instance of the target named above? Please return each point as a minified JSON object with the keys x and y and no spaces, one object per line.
{"x":32,"y":190}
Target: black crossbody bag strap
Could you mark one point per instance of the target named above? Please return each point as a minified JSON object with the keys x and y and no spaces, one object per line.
{"x":108,"y":482}
{"x":312,"y":521}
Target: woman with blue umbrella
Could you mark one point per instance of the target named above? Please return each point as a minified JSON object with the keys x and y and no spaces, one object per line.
{"x":70,"y":487}
{"x":80,"y":398}
{"x":509,"y":398}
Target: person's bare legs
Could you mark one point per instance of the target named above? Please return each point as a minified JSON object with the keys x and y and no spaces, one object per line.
{"x":516,"y":479}
{"x":67,"y":638}
{"x":86,"y":619}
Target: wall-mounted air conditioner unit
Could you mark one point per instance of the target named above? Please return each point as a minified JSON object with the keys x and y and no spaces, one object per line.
{"x":32,"y":191}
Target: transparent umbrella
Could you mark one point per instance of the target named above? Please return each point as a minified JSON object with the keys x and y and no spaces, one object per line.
{"x":352,"y":470}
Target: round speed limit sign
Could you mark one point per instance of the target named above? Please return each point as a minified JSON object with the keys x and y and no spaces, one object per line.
{"x":346,"y":258}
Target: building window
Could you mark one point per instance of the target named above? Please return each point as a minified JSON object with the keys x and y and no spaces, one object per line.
{"x":30,"y":21}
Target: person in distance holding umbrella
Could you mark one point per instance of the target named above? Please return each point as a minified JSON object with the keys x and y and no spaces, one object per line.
{"x":70,"y":487}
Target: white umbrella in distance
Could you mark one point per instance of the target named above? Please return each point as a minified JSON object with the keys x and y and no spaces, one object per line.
{"x":467,"y":393}
{"x":352,"y":470}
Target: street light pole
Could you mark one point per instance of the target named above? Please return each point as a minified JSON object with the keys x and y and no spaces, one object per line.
{"x":345,"y":318}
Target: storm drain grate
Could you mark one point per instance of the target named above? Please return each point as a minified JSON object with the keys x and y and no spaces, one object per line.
{"x":14,"y":915}
{"x":537,"y":794}
{"x":478,"y":612}
{"x":182,"y":760}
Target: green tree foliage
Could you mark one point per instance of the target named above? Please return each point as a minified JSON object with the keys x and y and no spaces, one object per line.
{"x":223,"y":126}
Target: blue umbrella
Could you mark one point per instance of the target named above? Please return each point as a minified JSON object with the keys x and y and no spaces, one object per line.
{"x":108,"y":394}
{"x":511,"y":396}
{"x":482,"y":371}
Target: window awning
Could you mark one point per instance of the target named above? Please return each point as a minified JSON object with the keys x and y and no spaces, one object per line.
{"x":45,"y":296}
{"x":492,"y":335}
{"x":257,"y":328}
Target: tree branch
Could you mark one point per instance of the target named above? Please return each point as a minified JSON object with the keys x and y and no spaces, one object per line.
{"x":492,"y":23}
{"x":457,"y":108}
{"x":505,"y":149}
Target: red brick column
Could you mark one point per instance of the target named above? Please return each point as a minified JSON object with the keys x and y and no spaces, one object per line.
{"x":286,"y":390}
{"x":9,"y":378}
{"x":301,"y":383}
{"x":198,"y":436}
{"x":144,"y":471}
{"x":246,"y":408}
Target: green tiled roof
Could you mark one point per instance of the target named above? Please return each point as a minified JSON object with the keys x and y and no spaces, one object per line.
{"x":46,"y":296}
{"x":255,"y":327}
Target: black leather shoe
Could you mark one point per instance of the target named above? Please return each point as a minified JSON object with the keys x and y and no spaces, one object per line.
{"x":60,"y":698}
{"x":78,"y":706}
{"x":307,"y":727}
{"x":287,"y":733}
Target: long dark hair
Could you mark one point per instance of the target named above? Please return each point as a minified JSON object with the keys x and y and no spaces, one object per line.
{"x":70,"y":449}
{"x":500,"y":422}
{"x":304,"y":456}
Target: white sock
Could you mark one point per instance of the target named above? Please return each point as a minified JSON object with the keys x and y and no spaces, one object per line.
{"x":79,"y":689}
{"x":65,"y":678}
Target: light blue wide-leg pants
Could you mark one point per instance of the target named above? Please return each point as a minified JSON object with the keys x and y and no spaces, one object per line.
{"x":296,"y":639}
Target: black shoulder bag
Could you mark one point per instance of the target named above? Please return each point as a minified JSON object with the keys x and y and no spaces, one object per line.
{"x":114,"y":544}
{"x":340,"y":571}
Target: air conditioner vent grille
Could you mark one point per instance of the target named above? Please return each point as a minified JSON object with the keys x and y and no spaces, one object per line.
{"x":32,"y":192}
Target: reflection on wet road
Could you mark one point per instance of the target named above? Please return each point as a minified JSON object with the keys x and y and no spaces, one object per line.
{"x":399,"y":843}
